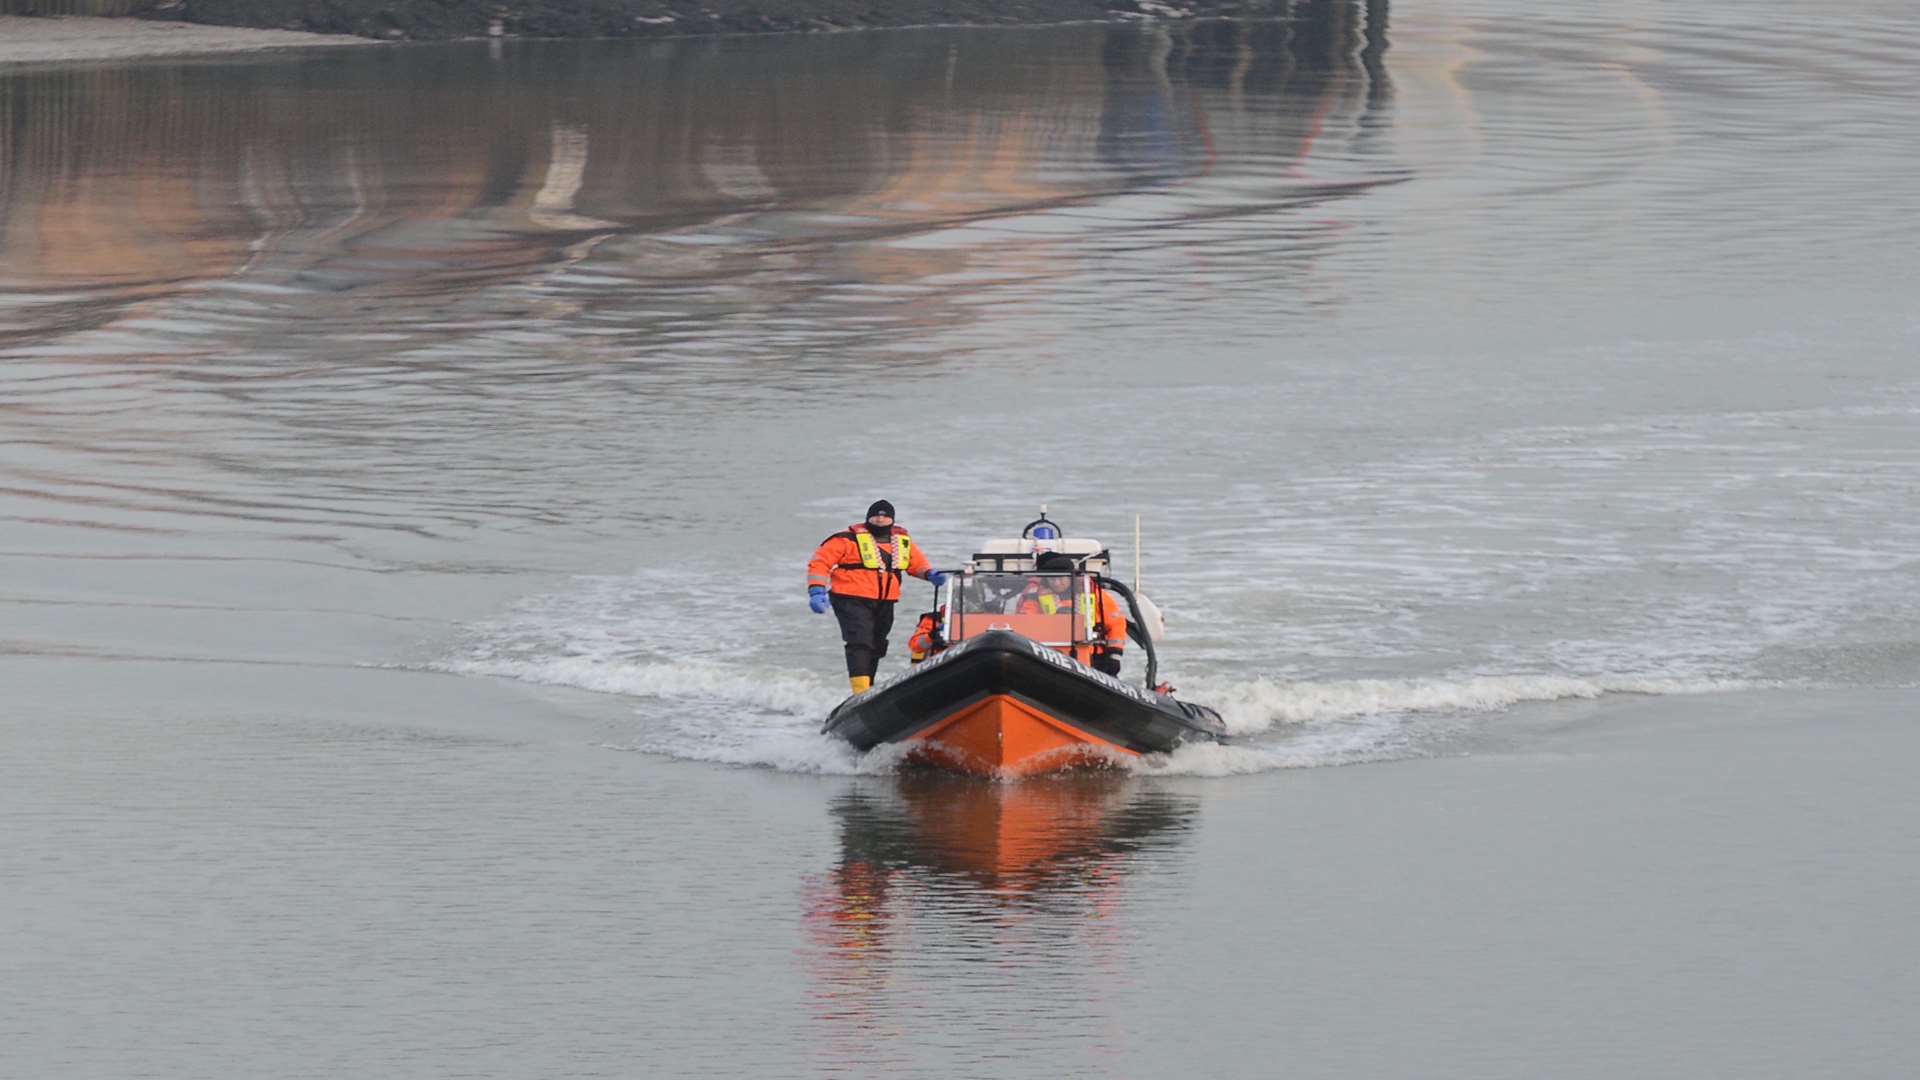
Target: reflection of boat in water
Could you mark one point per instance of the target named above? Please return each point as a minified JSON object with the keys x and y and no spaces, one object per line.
{"x":1008,"y":834}
{"x":938,"y":875}
{"x":1015,"y":692}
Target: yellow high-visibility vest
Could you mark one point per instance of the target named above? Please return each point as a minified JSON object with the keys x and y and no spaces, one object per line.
{"x":1050,"y":605}
{"x":870,"y":551}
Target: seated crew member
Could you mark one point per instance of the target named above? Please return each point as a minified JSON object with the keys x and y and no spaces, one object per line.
{"x":927,"y":638}
{"x":1054,"y":594}
{"x":1048,"y":595}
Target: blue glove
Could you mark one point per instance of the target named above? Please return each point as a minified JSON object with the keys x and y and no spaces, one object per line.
{"x":817,"y":600}
{"x":936,"y":579}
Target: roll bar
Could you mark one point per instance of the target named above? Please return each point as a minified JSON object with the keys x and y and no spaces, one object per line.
{"x":1139,"y":620}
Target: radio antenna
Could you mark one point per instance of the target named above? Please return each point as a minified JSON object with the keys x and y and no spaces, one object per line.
{"x":1136,"y":553}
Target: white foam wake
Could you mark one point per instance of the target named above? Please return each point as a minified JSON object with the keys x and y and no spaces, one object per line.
{"x":706,"y":711}
{"x":1255,"y":706}
{"x":739,"y":714}
{"x":1351,"y":722}
{"x":694,"y":681}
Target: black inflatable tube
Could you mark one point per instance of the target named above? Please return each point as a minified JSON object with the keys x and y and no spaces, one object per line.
{"x":1002,"y":662}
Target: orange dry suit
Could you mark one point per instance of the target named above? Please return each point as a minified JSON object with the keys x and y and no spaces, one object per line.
{"x":853,"y":563}
{"x":926,"y":639}
{"x":1107,"y":628}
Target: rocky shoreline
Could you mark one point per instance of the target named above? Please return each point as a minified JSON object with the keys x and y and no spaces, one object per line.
{"x":437,"y":20}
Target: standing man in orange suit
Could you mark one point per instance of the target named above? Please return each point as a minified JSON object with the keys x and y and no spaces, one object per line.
{"x":857,"y":573}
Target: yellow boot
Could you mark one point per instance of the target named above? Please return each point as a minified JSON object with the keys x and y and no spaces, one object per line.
{"x":859,"y":682}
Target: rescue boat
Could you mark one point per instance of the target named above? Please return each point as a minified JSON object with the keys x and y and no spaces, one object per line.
{"x":1011,"y":691}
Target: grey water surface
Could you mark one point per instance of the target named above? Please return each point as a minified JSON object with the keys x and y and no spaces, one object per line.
{"x":409,"y":456}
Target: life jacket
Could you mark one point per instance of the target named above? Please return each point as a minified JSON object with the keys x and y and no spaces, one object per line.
{"x":1105,"y":626}
{"x":1046,"y":602}
{"x":854,"y":564}
{"x":870,"y":551}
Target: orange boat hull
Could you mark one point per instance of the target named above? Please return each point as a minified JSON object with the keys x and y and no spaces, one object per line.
{"x":1001,"y":736}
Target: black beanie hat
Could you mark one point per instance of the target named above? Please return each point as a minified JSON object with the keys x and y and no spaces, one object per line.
{"x":1055,"y":562}
{"x":881,"y":507}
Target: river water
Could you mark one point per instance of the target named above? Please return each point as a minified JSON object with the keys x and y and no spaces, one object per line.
{"x":409,"y":456}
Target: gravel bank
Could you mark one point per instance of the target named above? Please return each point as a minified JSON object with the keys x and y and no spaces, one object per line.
{"x":29,"y":40}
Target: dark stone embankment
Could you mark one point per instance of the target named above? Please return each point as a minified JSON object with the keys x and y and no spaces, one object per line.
{"x":429,"y":20}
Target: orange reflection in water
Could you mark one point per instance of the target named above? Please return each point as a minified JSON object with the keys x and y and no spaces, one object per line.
{"x":944,"y":877}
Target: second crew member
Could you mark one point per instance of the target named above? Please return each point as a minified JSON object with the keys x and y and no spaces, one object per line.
{"x":1054,"y":594}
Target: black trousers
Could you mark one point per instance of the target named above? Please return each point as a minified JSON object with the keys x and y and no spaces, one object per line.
{"x":864,"y":626}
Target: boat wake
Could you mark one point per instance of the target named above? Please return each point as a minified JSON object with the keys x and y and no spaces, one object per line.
{"x":1314,"y":724}
{"x":1259,"y":705}
{"x":740,"y":714}
{"x":693,"y":683}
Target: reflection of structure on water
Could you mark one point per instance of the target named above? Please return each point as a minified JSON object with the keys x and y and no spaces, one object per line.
{"x":1334,"y":65}
{"x":427,"y":172}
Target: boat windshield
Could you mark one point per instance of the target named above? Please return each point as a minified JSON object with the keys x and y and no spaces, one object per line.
{"x":1052,"y":609}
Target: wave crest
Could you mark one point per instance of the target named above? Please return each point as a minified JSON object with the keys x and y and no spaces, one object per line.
{"x":771,"y":691}
{"x":1257,"y":705}
{"x":737,"y":714}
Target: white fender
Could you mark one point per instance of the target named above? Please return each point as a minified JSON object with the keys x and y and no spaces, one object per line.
{"x":1156,"y":623}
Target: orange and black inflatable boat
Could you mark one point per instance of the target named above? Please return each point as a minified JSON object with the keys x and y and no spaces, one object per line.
{"x":1014,"y":693}
{"x":1001,"y":704}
